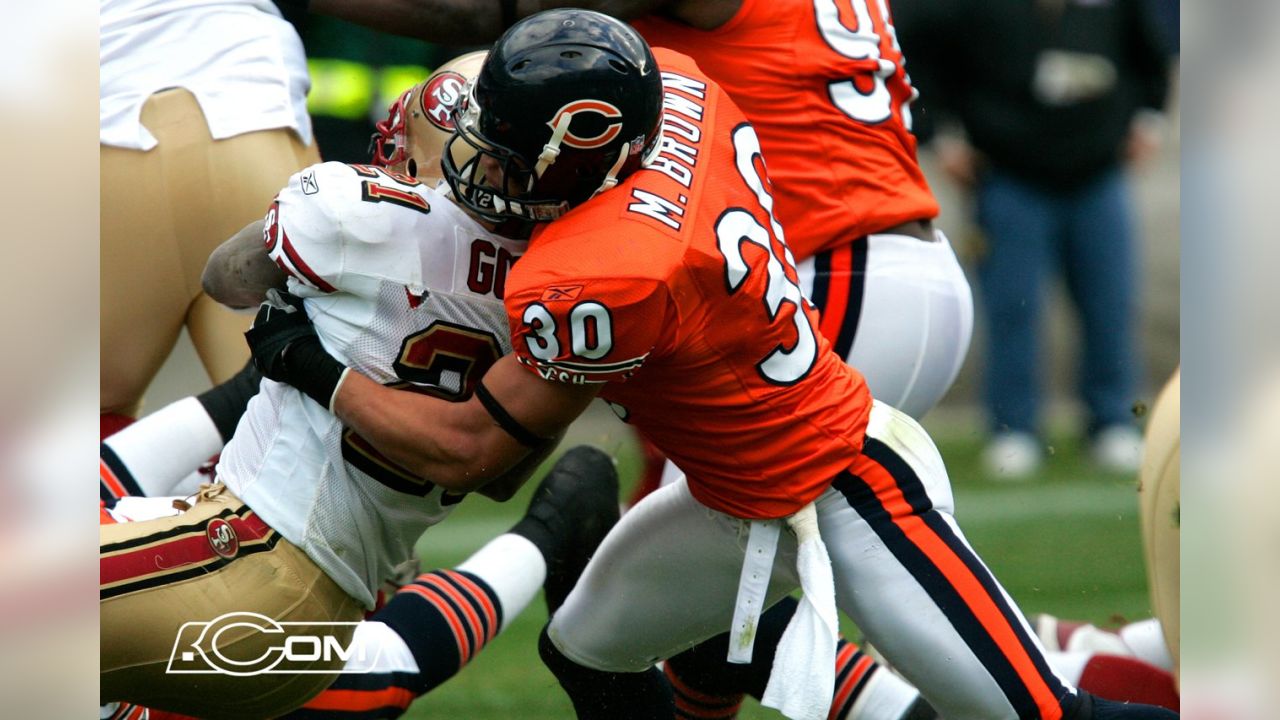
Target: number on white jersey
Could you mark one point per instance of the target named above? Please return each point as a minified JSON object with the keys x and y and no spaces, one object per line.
{"x":376,"y":190}
{"x":424,"y":358}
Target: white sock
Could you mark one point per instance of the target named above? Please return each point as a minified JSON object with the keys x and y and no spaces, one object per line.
{"x":1146,"y":639}
{"x":513,"y":567}
{"x":166,"y":446}
{"x":885,"y":697}
{"x":1069,"y":665}
{"x":376,"y":648}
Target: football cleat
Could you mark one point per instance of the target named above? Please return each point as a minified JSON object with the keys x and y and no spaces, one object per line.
{"x":1117,"y":448}
{"x":570,"y":513}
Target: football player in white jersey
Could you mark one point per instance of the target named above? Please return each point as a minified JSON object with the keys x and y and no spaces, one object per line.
{"x":422,"y":636}
{"x":306,"y":521}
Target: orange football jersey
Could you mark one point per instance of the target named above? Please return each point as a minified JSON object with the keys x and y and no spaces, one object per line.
{"x":824,"y":84}
{"x":675,"y":289}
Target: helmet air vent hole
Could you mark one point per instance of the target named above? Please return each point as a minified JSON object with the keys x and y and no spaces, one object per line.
{"x":570,"y":54}
{"x":521,"y":65}
{"x":618,"y":65}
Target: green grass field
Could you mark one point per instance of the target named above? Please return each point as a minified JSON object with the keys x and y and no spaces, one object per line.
{"x":1066,"y":543}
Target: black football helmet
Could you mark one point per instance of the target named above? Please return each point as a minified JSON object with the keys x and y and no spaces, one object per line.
{"x":568,"y":103}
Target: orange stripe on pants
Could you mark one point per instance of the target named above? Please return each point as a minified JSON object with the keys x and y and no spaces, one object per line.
{"x":837,"y":293}
{"x":966,"y":585}
{"x":360,"y":700}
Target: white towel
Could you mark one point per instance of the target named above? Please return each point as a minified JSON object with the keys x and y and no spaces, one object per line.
{"x":803,"y":677}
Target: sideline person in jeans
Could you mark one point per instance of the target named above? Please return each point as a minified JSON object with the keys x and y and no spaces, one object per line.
{"x":1054,"y":98}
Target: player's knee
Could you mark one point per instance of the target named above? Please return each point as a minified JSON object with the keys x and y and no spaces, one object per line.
{"x":551,"y":656}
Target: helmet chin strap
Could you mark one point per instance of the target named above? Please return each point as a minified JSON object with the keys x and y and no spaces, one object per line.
{"x":611,"y":178}
{"x":551,"y":150}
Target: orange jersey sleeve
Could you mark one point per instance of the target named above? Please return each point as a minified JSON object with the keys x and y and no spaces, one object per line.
{"x":825,"y":85}
{"x":676,"y":290}
{"x":586,"y":329}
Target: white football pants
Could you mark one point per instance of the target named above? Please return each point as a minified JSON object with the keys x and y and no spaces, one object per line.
{"x":898,"y":309}
{"x":667,"y":577}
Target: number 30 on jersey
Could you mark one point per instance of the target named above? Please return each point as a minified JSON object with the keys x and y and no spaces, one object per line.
{"x":590,"y":331}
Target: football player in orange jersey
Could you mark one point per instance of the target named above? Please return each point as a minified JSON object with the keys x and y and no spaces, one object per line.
{"x":825,"y":85}
{"x":662,"y":283}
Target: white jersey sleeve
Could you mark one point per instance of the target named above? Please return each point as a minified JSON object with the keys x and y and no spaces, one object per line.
{"x":333,"y":227}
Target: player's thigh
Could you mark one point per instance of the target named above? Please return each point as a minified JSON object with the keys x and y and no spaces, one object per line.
{"x":213,"y":188}
{"x":218,"y":337}
{"x":247,"y":171}
{"x":160,"y":575}
{"x":1159,"y":490}
{"x":142,"y":292}
{"x":908,"y":577}
{"x":664,"y":579}
{"x":916,"y":321}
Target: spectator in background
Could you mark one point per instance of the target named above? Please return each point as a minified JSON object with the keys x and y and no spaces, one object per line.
{"x":1056,"y":99}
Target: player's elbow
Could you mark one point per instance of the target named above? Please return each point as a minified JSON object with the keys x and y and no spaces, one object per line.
{"x":219,"y":282}
{"x":212,"y":282}
{"x":464,"y":477}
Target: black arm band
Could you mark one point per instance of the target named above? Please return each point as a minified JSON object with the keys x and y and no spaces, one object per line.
{"x":504,"y":419}
{"x":508,"y":9}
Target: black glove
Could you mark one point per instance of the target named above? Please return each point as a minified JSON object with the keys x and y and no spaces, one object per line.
{"x":286,"y":349}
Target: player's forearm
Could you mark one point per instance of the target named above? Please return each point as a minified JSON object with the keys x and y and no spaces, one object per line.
{"x":506,"y":485}
{"x":454,"y":445}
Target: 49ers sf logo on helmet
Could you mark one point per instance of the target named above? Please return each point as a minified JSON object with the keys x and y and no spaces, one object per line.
{"x":606,"y":124}
{"x":440,"y":96}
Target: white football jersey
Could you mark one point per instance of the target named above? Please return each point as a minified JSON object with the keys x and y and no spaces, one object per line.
{"x":405,"y":287}
{"x":243,"y":62}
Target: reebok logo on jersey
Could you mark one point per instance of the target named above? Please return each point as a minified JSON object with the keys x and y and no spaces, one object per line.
{"x":309,"y":184}
{"x":561,"y":292}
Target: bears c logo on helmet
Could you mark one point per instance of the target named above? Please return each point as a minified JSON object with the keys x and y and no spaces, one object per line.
{"x":611,"y":116}
{"x":440,"y":96}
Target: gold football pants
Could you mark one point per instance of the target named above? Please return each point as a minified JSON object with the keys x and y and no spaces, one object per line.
{"x":163,"y":211}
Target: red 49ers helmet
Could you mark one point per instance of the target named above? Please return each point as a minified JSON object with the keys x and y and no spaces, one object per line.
{"x":418,"y":124}
{"x":568,"y":103}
